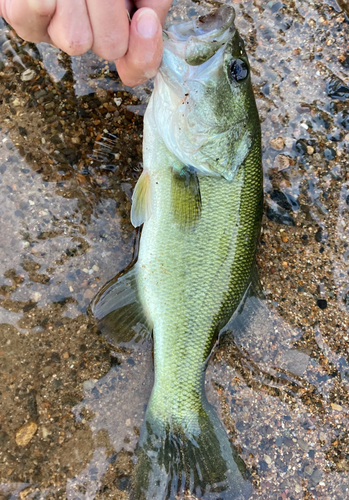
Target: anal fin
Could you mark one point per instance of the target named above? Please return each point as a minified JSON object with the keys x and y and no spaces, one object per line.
{"x":186,"y":198}
{"x":119,"y":312}
{"x":252,"y":310}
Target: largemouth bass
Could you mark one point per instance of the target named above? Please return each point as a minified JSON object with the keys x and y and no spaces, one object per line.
{"x":199,"y":199}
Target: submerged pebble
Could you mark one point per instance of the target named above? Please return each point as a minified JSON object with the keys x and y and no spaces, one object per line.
{"x":25,"y":434}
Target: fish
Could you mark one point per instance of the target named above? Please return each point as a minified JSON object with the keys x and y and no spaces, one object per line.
{"x":199,"y":201}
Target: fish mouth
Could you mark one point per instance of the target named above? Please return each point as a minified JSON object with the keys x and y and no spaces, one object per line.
{"x":212,"y":25}
{"x":198,"y":40}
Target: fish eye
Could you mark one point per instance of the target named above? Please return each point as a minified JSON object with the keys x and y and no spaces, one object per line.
{"x":238,"y":70}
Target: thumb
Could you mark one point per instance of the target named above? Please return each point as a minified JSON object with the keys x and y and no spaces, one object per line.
{"x":143,"y":56}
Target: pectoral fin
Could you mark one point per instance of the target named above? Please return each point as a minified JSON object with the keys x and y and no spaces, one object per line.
{"x":186,"y":198}
{"x":141,"y":200}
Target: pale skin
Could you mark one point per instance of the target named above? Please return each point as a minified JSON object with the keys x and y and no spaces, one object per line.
{"x":104,"y":26}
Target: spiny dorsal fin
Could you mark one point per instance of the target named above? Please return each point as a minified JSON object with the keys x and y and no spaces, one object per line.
{"x":119,"y":312}
{"x":141,"y":200}
{"x":186,"y":198}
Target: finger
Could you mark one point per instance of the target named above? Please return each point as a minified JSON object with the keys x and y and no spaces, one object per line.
{"x":161,"y":7}
{"x":144,"y":51}
{"x":110,"y":26}
{"x":70,"y":27}
{"x":30,"y":18}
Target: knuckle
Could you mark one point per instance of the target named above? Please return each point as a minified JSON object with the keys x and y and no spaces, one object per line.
{"x":75,"y":47}
{"x":42,"y":9}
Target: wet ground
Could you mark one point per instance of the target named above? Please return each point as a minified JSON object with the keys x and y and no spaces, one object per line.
{"x":70,"y":154}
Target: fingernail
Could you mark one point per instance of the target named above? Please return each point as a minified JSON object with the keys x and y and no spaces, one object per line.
{"x":147,"y":24}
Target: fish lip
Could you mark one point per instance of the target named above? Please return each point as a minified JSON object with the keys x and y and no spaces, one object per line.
{"x":194,"y":42}
{"x":210,"y":26}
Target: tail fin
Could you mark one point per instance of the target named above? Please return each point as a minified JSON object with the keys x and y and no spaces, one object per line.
{"x":193,"y":458}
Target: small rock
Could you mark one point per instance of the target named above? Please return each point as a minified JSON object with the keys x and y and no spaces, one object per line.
{"x":322,"y":436}
{"x":344,"y":120}
{"x":89,"y":294}
{"x":50,"y":105}
{"x":277,"y":143}
{"x":27,"y":75}
{"x":124,"y":483}
{"x":335,"y":136}
{"x":330,"y":153}
{"x":263,"y":466}
{"x":267,"y":459}
{"x":279,"y":440}
{"x":298,"y":488}
{"x":300,"y":147}
{"x":24,"y":493}
{"x":88,"y":385}
{"x":46,"y":371}
{"x":102,"y":94}
{"x":322,"y":303}
{"x":303,"y":444}
{"x":118,"y":101}
{"x":282,"y":162}
{"x":318,"y":235}
{"x":40,"y":93}
{"x":288,"y":441}
{"x":26,"y":433}
{"x":36,"y":296}
{"x":310,"y":150}
{"x":308,"y":469}
{"x":279,"y":215}
{"x":45,"y":432}
{"x":285,"y":201}
{"x":316,"y":476}
{"x":336,"y":407}
{"x":337,"y":89}
{"x":55,"y":357}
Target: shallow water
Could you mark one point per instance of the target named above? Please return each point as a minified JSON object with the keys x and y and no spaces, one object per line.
{"x":70,"y":153}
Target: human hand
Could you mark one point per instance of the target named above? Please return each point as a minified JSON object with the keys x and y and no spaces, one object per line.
{"x":76,"y":26}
